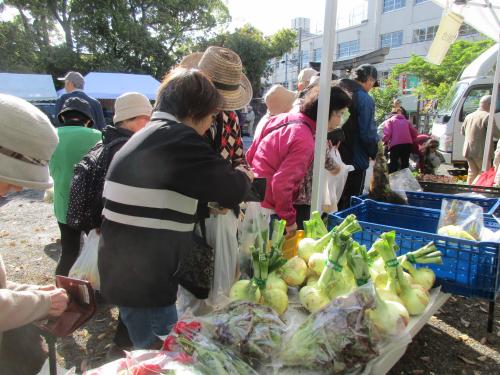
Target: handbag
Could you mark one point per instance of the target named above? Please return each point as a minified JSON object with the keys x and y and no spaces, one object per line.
{"x":81,"y":308}
{"x":196,"y":265}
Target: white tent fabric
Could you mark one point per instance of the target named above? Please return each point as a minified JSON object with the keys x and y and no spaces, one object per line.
{"x":484,"y":16}
{"x":112,"y":85}
{"x":31,"y":87}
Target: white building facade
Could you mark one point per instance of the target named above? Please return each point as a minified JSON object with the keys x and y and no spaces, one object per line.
{"x":406,"y":26}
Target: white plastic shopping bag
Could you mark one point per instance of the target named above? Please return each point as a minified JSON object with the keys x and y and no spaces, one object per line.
{"x":368,"y":177}
{"x":221,"y":231}
{"x":335,"y":183}
{"x":85,"y":267}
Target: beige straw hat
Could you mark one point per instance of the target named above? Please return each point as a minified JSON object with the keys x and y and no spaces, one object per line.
{"x":225,"y":70}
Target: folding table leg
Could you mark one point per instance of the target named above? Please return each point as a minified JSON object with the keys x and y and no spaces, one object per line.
{"x":491,"y":316}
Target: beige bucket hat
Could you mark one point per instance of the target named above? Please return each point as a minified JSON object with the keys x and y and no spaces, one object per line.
{"x":225,"y":70}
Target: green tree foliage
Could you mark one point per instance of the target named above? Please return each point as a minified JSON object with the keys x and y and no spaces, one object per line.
{"x":254,"y":49}
{"x":437,"y":80}
{"x":384,"y":97}
{"x":140,"y":36}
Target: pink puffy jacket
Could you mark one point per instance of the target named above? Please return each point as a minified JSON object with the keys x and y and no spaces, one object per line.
{"x":282,"y":154}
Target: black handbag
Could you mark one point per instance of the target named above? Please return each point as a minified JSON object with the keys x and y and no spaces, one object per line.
{"x":196,"y":265}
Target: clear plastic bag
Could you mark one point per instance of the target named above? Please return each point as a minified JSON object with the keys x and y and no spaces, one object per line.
{"x":85,"y":267}
{"x":335,"y":183}
{"x":252,"y":331}
{"x":368,"y":177}
{"x":337,"y":339}
{"x":254,"y":227}
{"x":402,"y":181}
{"x":460,"y":219}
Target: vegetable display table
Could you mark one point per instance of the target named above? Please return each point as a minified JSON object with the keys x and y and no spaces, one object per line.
{"x":392,"y":353}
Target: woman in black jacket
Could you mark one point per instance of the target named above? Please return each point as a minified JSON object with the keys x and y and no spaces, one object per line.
{"x":152,"y":189}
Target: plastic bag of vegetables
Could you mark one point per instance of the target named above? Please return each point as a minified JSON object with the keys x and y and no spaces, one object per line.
{"x":337,"y":339}
{"x":188,"y":344}
{"x":253,"y":331}
{"x":460,"y":219}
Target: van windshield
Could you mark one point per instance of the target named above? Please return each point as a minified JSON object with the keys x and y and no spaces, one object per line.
{"x":452,"y":99}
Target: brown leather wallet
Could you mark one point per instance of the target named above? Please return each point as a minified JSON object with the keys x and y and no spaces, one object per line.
{"x":81,"y":308}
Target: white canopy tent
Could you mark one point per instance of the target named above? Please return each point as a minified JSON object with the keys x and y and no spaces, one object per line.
{"x":484,"y":16}
{"x":31,"y":87}
{"x":112,"y":85}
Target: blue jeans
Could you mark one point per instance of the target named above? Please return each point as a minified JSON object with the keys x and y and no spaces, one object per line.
{"x":144,"y":325}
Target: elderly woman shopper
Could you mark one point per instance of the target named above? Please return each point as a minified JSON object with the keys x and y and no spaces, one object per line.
{"x":399,"y":137}
{"x":152,"y":190}
{"x":284,"y":151}
{"x":27,"y":141}
{"x":224,"y":68}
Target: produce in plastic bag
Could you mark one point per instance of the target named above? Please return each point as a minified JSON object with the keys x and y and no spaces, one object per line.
{"x":404,"y":180}
{"x":85,"y":267}
{"x":460,"y":219}
{"x":337,"y":339}
{"x":251,"y":330}
{"x":380,"y":189}
{"x":188,"y":342}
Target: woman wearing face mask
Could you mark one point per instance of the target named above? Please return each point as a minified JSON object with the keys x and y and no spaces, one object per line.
{"x":284,"y":151}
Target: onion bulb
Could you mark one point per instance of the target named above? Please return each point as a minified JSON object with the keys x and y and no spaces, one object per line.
{"x":275,"y":299}
{"x":313,"y":298}
{"x":294,"y":271}
{"x":276,"y":282}
{"x":244,"y":290}
{"x":415,"y":298}
{"x":388,"y":317}
{"x":317,"y":262}
{"x":424,"y":276}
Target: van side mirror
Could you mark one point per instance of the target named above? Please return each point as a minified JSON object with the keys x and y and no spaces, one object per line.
{"x":446,"y":118}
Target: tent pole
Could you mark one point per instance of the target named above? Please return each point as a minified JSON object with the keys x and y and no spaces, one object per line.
{"x":323,"y":103}
{"x":489,"y":132}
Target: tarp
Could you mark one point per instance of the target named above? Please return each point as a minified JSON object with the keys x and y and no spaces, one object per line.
{"x":31,"y":87}
{"x":483,"y":15}
{"x":112,"y":85}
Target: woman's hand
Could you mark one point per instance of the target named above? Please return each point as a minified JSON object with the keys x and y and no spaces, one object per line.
{"x":58,"y":301}
{"x":291,"y":230}
{"x":245,"y":170}
{"x":218,"y":211}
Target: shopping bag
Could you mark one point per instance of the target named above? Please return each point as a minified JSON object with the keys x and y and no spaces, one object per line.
{"x":221,"y":235}
{"x":368,"y":177}
{"x":461,"y":219}
{"x":335,"y":183}
{"x":85,"y":267}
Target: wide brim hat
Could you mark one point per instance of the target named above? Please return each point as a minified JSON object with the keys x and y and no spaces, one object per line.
{"x":224,"y":68}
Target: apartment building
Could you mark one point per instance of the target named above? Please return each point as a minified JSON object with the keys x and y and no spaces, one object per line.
{"x":406,"y":26}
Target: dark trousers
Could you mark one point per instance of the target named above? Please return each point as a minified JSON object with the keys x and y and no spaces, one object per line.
{"x":353,"y":187}
{"x":303,"y":212}
{"x":70,"y":243}
{"x":400,"y":157}
{"x":122,"y":339}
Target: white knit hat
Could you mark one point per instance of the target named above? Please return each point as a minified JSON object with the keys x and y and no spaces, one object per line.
{"x":130,"y":105}
{"x":27,"y":141}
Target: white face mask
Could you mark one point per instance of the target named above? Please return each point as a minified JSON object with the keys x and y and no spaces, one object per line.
{"x":345,"y":116}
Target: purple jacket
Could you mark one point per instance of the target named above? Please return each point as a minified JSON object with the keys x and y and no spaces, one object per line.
{"x":283,"y":154}
{"x":399,"y":131}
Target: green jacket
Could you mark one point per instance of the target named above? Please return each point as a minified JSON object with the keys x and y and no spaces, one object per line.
{"x":74,"y":143}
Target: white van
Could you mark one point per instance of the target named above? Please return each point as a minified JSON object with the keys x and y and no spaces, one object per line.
{"x":475,"y":82}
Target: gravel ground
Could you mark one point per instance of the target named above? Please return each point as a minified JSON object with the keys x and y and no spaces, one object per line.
{"x":455,"y":341}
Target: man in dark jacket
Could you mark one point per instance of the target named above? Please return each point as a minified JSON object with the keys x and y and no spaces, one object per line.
{"x":360,"y":131}
{"x":73,"y":84}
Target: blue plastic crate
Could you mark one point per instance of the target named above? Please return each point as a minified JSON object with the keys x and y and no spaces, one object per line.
{"x":469,"y":268}
{"x":433,"y":200}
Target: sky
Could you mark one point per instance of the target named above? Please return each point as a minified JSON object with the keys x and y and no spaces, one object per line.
{"x":270,"y":16}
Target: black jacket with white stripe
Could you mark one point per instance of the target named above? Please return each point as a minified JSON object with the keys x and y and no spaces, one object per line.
{"x":151,"y":192}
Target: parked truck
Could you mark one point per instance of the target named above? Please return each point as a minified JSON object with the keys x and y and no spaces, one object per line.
{"x":475,"y":82}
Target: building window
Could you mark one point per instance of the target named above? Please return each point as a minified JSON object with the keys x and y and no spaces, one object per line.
{"x":392,"y":40}
{"x":305,"y":58}
{"x":317,"y":54}
{"x":393,"y":5}
{"x":347,"y":49}
{"x":424,"y":34}
{"x":420,"y":1}
{"x":467,"y":30}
